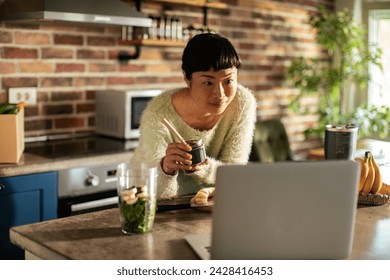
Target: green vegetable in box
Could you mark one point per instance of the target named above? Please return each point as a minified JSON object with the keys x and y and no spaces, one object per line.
{"x":11,"y":108}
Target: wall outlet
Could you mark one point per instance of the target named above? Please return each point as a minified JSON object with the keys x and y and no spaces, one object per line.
{"x":26,"y":94}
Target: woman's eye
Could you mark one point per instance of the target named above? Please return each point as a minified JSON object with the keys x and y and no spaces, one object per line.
{"x":208,"y":83}
{"x":229,"y":82}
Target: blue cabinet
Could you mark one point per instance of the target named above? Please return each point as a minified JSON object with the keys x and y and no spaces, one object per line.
{"x":25,"y":199}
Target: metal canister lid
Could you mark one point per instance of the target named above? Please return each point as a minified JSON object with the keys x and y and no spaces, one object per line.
{"x":341,"y":128}
{"x":195,"y":143}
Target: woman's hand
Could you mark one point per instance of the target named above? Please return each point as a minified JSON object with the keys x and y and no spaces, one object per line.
{"x":177,"y":157}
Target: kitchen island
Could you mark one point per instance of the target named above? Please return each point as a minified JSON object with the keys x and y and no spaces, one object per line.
{"x":98,"y":236}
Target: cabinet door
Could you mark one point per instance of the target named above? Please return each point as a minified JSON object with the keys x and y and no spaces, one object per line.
{"x":25,"y":199}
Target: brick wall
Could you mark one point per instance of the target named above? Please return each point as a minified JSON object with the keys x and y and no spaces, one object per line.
{"x":68,"y":64}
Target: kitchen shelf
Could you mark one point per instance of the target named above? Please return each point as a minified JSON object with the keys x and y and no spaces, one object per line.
{"x":196,"y":3}
{"x":204,"y":4}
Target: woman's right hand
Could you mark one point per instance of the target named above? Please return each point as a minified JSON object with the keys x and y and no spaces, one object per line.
{"x":177,"y":157}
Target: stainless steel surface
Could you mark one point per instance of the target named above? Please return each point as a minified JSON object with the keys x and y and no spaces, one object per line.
{"x":56,"y":137}
{"x":86,"y":180}
{"x":94,"y":204}
{"x":101,"y":12}
{"x":118,"y":112}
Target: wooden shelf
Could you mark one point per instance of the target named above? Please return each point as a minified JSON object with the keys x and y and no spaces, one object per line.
{"x":204,"y":4}
{"x":196,"y":3}
{"x":155,"y":43}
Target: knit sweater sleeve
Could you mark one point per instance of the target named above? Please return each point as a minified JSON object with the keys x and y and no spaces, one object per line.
{"x":154,"y":139}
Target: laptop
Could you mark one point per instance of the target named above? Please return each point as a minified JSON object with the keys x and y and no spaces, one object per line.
{"x":284,"y":210}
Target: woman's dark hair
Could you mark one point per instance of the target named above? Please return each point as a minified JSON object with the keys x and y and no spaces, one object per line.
{"x":208,"y":51}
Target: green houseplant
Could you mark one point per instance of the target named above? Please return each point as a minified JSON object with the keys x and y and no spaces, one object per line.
{"x":332,"y":79}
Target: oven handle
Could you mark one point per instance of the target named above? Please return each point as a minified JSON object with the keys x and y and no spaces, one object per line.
{"x":94,"y":204}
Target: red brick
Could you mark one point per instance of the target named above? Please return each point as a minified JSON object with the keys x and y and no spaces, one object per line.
{"x":132,"y":68}
{"x":67,"y":96}
{"x":68,"y":40}
{"x":31,"y":38}
{"x":161,"y":68}
{"x":3,"y":97}
{"x":32,"y":125}
{"x":90,"y":54}
{"x":14,"y":52}
{"x":56,"y":82}
{"x":42,"y":96}
{"x":19,"y":82}
{"x":57,"y":109}
{"x":36,"y":67}
{"x":71,"y":122}
{"x":7,"y":67}
{"x":177,"y":79}
{"x":73,"y":28}
{"x":85,"y":108}
{"x":57,"y":53}
{"x":146,"y":80}
{"x":70,"y":67}
{"x":31,"y":111}
{"x":5,"y":37}
{"x":89,"y":81}
{"x":102,"y":67}
{"x":90,"y":95}
{"x":101,"y":41}
{"x":120,"y":81}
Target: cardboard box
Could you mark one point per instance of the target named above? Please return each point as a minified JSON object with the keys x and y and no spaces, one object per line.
{"x":11,"y":137}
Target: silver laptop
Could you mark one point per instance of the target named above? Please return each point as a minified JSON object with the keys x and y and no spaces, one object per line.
{"x":287,"y":210}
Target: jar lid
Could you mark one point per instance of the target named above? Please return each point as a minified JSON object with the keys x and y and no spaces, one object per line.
{"x":341,"y":128}
{"x":195,"y":142}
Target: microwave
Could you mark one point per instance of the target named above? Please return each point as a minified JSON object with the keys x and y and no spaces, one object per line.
{"x":118,"y":113}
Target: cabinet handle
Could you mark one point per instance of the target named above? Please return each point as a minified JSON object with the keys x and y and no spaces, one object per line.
{"x":2,"y":187}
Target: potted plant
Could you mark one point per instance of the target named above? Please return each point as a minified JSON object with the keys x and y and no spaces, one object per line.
{"x":332,"y":79}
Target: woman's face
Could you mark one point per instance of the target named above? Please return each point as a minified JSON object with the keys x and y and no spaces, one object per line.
{"x":212,"y":91}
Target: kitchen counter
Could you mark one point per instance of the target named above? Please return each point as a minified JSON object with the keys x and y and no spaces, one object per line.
{"x":68,"y":153}
{"x":98,"y":236}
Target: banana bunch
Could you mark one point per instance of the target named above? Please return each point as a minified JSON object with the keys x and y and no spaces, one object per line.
{"x":11,"y":108}
{"x":370,"y":180}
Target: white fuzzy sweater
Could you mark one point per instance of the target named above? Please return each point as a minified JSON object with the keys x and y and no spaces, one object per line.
{"x":228,"y":142}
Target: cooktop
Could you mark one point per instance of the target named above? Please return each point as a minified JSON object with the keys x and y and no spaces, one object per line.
{"x":79,"y":147}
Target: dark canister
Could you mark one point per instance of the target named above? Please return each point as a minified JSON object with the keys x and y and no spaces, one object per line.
{"x":340,"y":141}
{"x":198,"y":151}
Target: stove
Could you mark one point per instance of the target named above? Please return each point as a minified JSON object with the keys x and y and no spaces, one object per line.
{"x":76,"y":147}
{"x":86,"y":188}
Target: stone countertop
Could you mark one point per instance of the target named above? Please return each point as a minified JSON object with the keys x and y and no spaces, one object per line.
{"x":30,"y":163}
{"x":98,"y":236}
{"x":56,"y":155}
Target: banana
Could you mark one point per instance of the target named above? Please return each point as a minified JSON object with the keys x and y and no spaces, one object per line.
{"x":385,"y":189}
{"x":363,"y":172}
{"x":377,"y":185}
{"x":371,"y":173}
{"x":203,"y":195}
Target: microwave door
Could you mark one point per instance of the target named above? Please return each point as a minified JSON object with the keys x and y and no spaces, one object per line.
{"x":137,"y":106}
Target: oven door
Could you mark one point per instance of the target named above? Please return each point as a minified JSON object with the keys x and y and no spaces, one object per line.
{"x":69,"y":206}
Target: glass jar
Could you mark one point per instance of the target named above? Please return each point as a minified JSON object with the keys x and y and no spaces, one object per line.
{"x":198,"y":151}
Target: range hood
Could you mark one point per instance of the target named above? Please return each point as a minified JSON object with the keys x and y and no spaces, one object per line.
{"x":98,"y":12}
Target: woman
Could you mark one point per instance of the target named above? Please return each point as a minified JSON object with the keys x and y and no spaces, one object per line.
{"x":213,"y":107}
